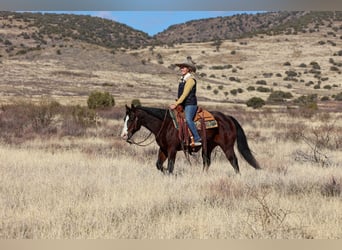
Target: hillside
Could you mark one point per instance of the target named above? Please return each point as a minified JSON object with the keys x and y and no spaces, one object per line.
{"x":68,"y":56}
{"x":36,"y":31}
{"x":246,"y":25}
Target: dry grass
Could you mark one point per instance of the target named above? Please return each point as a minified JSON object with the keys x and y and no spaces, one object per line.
{"x":100,"y":187}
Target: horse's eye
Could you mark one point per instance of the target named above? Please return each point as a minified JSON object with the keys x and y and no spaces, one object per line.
{"x":131,"y":117}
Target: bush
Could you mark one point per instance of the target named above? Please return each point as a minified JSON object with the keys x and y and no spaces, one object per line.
{"x":325,"y":98}
{"x":234,"y":92}
{"x":338,"y":97}
{"x":136,"y":103}
{"x":100,"y":100}
{"x":261,"y":82}
{"x":255,"y":102}
{"x":315,"y":65}
{"x":291,"y":73}
{"x":263,"y":89}
{"x":279,"y":96}
{"x":307,"y":105}
{"x":26,"y":120}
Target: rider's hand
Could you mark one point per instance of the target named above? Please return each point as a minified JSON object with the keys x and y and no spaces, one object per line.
{"x":172,"y":106}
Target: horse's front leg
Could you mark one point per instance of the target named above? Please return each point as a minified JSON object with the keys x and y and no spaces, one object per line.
{"x":161,"y":159}
{"x":171,"y":160}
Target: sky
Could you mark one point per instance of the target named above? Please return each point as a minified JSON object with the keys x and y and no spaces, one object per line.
{"x":153,"y":22}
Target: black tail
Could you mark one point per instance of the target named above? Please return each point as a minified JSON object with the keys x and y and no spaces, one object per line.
{"x":243,"y":145}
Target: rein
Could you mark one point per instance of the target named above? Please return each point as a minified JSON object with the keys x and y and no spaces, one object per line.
{"x":144,"y":145}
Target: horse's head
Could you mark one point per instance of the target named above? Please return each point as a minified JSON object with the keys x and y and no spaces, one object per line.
{"x":131,"y":123}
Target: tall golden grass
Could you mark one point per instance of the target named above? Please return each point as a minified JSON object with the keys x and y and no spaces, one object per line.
{"x":96,"y":186}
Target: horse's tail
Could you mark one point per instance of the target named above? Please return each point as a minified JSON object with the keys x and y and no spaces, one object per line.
{"x":242,"y":145}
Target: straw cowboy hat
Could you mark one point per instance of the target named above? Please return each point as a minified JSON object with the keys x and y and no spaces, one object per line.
{"x":188,"y":63}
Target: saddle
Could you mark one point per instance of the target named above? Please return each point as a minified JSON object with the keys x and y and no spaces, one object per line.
{"x":203,"y":120}
{"x":202,"y":115}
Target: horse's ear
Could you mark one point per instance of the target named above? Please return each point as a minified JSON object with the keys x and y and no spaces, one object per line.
{"x":127,"y":108}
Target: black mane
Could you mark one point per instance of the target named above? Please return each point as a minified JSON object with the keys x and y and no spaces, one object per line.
{"x":156,"y":112}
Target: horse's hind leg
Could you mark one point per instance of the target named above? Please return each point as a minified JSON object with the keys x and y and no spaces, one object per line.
{"x":230,"y":154}
{"x":160,"y":161}
{"x":206,"y":157}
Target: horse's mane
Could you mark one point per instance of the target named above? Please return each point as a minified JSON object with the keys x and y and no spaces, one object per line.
{"x":156,"y":112}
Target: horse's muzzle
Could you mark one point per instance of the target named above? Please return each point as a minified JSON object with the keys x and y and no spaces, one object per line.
{"x":126,"y":137}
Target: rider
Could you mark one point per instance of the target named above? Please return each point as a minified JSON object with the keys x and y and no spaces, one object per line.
{"x":187,"y":96}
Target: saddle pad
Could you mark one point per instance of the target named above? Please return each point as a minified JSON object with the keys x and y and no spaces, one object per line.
{"x":208,"y":124}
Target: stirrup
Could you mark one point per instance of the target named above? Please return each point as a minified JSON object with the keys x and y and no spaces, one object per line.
{"x":196,"y":144}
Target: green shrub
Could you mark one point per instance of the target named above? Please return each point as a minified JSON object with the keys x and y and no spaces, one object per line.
{"x":307,"y":105}
{"x":333,"y":68}
{"x":315,"y":65}
{"x":255,"y":102}
{"x":338,"y":97}
{"x":234,"y":91}
{"x":279,"y":96}
{"x":291,"y":73}
{"x":261,"y":82}
{"x":100,"y":100}
{"x":136,"y":103}
{"x":325,"y":98}
{"x":263,"y":89}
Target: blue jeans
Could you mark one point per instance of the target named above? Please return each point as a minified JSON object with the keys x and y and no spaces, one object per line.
{"x":190,"y":111}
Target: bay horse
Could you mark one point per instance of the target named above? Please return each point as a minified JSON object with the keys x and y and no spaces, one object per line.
{"x":159,"y":122}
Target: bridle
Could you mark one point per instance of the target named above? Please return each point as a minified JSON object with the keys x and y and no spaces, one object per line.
{"x":140,"y":143}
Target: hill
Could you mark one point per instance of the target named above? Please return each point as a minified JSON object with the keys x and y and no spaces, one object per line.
{"x":246,"y":25}
{"x":36,"y":30}
{"x":68,"y":56}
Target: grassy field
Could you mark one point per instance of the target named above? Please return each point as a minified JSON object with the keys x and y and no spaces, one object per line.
{"x":97,"y":187}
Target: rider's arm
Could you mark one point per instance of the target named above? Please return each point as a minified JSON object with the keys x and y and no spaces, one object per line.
{"x":190,"y":83}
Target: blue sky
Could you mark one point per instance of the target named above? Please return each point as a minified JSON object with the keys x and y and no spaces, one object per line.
{"x":153,"y":22}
